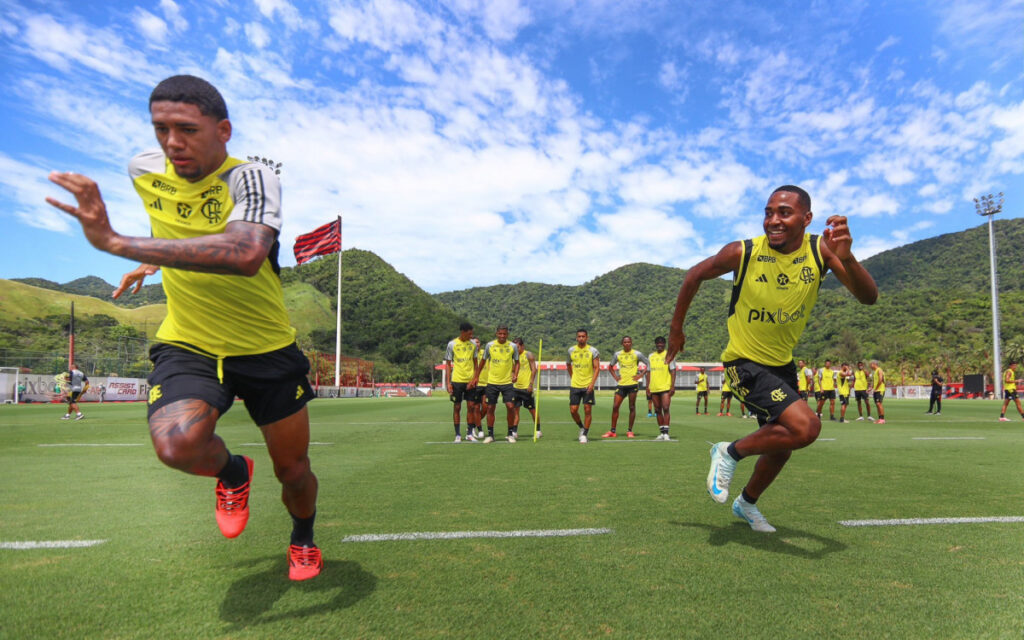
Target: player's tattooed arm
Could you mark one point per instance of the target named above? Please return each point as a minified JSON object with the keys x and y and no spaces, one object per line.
{"x":239,"y":250}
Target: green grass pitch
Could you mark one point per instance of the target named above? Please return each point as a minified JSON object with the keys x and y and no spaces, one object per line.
{"x":675,"y":564}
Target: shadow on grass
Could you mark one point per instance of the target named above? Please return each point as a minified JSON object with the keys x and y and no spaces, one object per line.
{"x":251,"y":600}
{"x":785,"y":540}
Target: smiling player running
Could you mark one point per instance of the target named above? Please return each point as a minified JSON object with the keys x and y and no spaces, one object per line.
{"x":775,"y":285}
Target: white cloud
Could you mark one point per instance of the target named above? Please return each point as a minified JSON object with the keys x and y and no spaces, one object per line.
{"x":385,"y":24}
{"x":670,"y":77}
{"x":888,"y":42}
{"x":172,"y":13}
{"x":152,"y":28}
{"x":59,"y":45}
{"x":257,"y":35}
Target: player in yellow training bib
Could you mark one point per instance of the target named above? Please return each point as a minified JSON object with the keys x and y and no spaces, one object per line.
{"x":661,"y":385}
{"x":523,"y":386}
{"x":502,"y":358}
{"x":860,"y":391}
{"x":1010,"y":391}
{"x":775,"y":285}
{"x":460,"y":364}
{"x":827,"y":385}
{"x":583,"y":365}
{"x":878,"y":389}
{"x":215,"y":221}
{"x":625,"y":368}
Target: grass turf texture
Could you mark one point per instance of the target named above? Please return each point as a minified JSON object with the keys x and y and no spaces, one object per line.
{"x":676,"y":564}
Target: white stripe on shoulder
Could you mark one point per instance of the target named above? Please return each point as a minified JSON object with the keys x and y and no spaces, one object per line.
{"x":149,"y":161}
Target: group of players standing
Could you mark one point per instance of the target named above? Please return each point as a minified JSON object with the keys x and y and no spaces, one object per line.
{"x":826,"y":383}
{"x":479,"y":374}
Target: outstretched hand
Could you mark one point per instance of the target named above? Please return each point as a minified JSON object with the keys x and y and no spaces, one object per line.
{"x":91,"y":211}
{"x":134,"y":277}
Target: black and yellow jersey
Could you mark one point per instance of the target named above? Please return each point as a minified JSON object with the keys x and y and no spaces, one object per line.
{"x":826,"y":379}
{"x":523,"y":379}
{"x":702,"y":382}
{"x":462,"y":355}
{"x":661,"y":372}
{"x":582,"y":361}
{"x":1010,"y":381}
{"x":844,"y":384}
{"x":629,"y":365}
{"x":878,"y":378}
{"x":860,"y":380}
{"x":772,"y":295}
{"x":502,"y":358}
{"x":213,"y":314}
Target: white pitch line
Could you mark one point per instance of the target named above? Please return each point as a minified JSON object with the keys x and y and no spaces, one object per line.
{"x":50,"y":544}
{"x":459,"y":535}
{"x":914,"y":521}
{"x":86,"y":444}
{"x":263,"y":444}
{"x":950,"y":438}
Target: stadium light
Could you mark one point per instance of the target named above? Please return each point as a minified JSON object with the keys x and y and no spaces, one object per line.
{"x":989,"y":205}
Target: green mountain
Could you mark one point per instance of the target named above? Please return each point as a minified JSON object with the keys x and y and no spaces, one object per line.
{"x":100,"y":288}
{"x":933,"y":311}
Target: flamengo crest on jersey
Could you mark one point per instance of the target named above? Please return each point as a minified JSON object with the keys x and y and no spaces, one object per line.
{"x":219,"y":315}
{"x":772,"y":295}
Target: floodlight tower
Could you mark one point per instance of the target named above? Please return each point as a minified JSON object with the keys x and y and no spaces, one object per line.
{"x":989,"y":205}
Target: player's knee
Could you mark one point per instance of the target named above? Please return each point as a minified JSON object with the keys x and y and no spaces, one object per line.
{"x":174,"y":455}
{"x":293,"y":473}
{"x":808,"y":432}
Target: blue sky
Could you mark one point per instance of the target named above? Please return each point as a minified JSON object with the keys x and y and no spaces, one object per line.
{"x":474,"y":142}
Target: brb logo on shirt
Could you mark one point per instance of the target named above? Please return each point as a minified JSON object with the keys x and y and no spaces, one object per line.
{"x":779,"y":316}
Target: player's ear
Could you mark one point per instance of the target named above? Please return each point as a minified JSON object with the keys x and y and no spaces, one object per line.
{"x":224,"y":130}
{"x":807,"y":218}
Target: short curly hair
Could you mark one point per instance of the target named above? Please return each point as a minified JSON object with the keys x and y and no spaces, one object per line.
{"x":191,"y":90}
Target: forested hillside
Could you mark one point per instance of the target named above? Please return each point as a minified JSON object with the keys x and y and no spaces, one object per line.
{"x":934,"y":310}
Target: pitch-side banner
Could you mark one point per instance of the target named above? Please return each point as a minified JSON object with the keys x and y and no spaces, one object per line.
{"x":119,"y":389}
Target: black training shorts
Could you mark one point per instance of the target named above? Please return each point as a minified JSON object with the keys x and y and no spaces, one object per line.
{"x":476,"y":394}
{"x":860,"y":394}
{"x":828,"y":395}
{"x":524,"y":398}
{"x":879,"y":396}
{"x":626,"y":389}
{"x":766,"y":391}
{"x":273,"y":385}
{"x":74,"y":396}
{"x":1009,"y":395}
{"x":458,"y":392}
{"x":579,"y":396}
{"x":844,"y":400}
{"x":506,"y":390}
{"x":726,"y":395}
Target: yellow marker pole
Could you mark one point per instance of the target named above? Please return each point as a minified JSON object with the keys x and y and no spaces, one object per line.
{"x":536,"y":394}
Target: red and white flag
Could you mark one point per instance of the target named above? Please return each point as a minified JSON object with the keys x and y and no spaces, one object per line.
{"x":323,"y":241}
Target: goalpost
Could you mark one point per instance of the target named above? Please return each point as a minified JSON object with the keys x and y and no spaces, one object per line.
{"x":10,"y":380}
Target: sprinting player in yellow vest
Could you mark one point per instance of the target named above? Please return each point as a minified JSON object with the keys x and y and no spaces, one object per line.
{"x":584,"y":365}
{"x":725,"y":404}
{"x":827,"y":385}
{"x":214,"y":223}
{"x":1010,"y":391}
{"x":625,"y":368}
{"x":860,"y":390}
{"x":775,"y":285}
{"x":702,"y":390}
{"x":845,"y":373}
{"x":524,"y":386}
{"x":661,"y":383}
{"x":878,"y":387}
{"x":460,"y":365}
{"x":502,"y":359}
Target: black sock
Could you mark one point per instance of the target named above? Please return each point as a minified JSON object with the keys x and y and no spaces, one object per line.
{"x":457,"y":429}
{"x":235,"y":472}
{"x":302,"y":530}
{"x":733,"y":453}
{"x":746,"y":497}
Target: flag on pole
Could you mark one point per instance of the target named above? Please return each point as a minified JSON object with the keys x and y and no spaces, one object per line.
{"x":322,"y":241}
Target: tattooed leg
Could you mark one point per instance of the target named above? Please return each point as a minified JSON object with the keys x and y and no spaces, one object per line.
{"x":183,"y":437}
